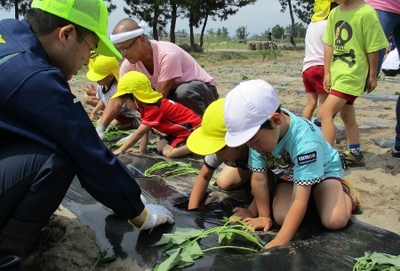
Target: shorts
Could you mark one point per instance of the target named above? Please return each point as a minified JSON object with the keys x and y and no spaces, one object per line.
{"x":349,"y":98}
{"x":176,"y":141}
{"x":313,"y":79}
{"x":123,"y":119}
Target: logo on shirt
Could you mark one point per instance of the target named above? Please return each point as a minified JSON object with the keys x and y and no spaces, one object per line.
{"x":2,"y":40}
{"x":307,"y":158}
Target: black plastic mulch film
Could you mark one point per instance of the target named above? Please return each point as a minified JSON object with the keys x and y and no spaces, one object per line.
{"x":313,"y":247}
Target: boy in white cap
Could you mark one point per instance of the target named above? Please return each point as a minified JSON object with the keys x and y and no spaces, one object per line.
{"x":304,"y":163}
{"x":166,"y":116}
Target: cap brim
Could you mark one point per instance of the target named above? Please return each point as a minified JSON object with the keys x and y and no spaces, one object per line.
{"x":106,"y":48}
{"x":94,"y":77}
{"x":238,"y":139}
{"x":200,"y":145}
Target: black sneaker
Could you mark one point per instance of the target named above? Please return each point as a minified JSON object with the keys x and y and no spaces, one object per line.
{"x":395,"y":153}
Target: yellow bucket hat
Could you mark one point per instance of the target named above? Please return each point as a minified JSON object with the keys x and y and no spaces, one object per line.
{"x":321,"y":10}
{"x":210,"y":136}
{"x":139,"y":85}
{"x":102,"y":67}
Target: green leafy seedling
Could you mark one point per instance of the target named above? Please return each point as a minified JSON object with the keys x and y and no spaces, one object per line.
{"x":376,"y":261}
{"x":181,"y":248}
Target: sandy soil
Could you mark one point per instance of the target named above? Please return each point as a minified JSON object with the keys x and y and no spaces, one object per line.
{"x":72,"y":245}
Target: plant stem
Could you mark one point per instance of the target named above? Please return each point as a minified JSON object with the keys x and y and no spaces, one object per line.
{"x":235,"y":247}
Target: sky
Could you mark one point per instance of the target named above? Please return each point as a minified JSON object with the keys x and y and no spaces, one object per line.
{"x":256,"y":18}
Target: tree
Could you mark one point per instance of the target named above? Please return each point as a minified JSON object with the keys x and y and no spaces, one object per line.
{"x":198,"y":12}
{"x":278,"y":32}
{"x":304,"y":9}
{"x":154,"y":12}
{"x":241,"y":33}
{"x":284,"y":4}
{"x":299,"y":30}
{"x":21,"y":6}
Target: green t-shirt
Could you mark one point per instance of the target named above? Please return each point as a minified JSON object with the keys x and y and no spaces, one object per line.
{"x":353,"y":34}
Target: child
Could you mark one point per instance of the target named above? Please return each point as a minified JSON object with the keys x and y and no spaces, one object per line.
{"x":90,"y":91}
{"x":295,"y":150}
{"x":209,"y":140}
{"x":105,"y":71}
{"x":352,"y":39}
{"x":166,"y":116}
{"x":313,"y":63}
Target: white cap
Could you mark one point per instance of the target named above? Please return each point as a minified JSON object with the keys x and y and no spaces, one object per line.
{"x":246,"y":107}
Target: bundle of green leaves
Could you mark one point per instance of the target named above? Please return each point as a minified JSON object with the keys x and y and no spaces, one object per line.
{"x":181,"y":248}
{"x":376,"y":261}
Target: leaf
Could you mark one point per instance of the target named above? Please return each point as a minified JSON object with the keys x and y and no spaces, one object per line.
{"x":170,"y":262}
{"x":226,"y":237}
{"x":178,"y":237}
{"x":193,"y":250}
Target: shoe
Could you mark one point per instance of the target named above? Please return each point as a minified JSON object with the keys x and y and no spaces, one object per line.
{"x":395,"y":153}
{"x":353,"y":160}
{"x":317,"y":122}
{"x":357,"y":206}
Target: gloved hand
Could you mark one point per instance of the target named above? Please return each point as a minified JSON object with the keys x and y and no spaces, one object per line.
{"x":143,"y":199}
{"x":100,"y":131}
{"x":155,"y":216}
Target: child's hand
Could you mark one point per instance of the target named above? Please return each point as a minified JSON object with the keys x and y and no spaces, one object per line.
{"x":133,"y":150}
{"x":261,"y":222}
{"x":241,"y":213}
{"x":370,"y":84}
{"x":273,"y":243}
{"x":327,"y":82}
{"x":90,"y":90}
{"x":117,"y":152}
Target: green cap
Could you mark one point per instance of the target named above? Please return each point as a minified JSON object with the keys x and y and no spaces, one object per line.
{"x":90,"y":14}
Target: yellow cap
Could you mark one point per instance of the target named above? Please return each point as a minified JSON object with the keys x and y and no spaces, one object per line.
{"x":102,"y":67}
{"x":139,"y":85}
{"x":321,"y":10}
{"x":210,"y":136}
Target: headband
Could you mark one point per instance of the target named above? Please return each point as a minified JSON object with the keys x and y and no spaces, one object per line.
{"x":121,"y":37}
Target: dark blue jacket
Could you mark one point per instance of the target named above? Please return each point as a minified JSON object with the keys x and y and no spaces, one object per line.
{"x":36,"y":104}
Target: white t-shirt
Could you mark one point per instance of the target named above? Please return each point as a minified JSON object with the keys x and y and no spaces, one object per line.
{"x":392,"y":61}
{"x":315,"y":46}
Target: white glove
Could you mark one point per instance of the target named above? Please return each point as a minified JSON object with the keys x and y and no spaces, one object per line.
{"x":143,"y":199}
{"x":155,"y":216}
{"x":100,"y":131}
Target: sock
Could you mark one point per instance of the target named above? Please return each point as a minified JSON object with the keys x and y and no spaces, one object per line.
{"x":354,"y":148}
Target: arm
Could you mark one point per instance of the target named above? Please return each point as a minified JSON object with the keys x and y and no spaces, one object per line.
{"x":111,"y":111}
{"x":328,"y":53}
{"x":260,"y":189}
{"x":165,"y":87}
{"x":294,"y":217}
{"x":200,"y":187}
{"x":99,"y":106}
{"x":141,"y":131}
{"x":144,"y":141}
{"x":372,"y":74}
